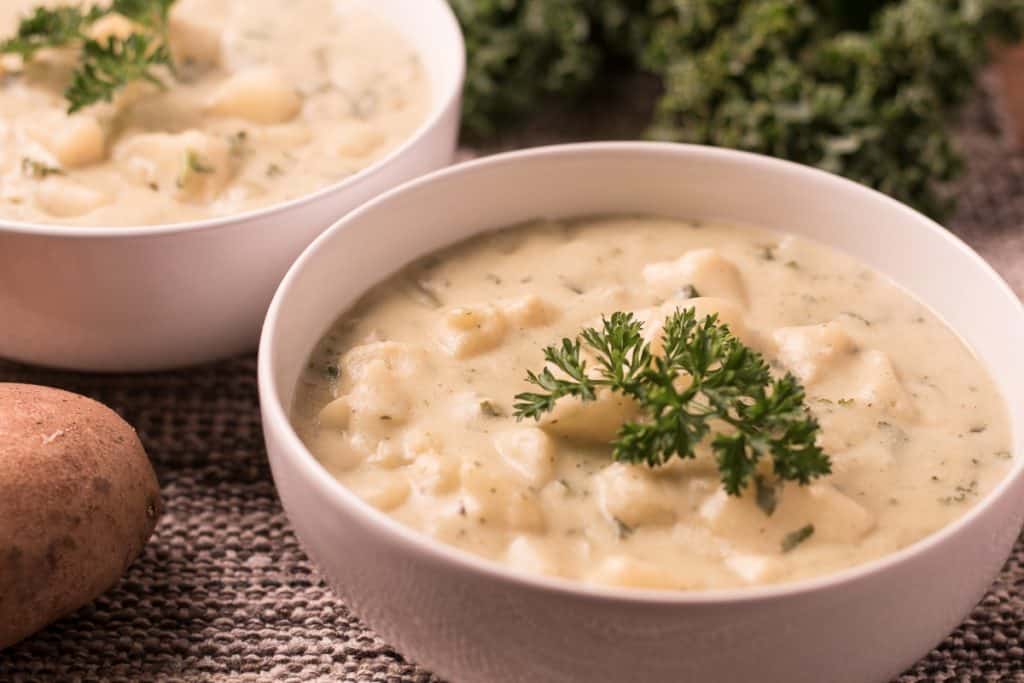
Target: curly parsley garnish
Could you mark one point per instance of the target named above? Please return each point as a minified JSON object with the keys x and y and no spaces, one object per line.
{"x":104,"y":67}
{"x":705,"y":383}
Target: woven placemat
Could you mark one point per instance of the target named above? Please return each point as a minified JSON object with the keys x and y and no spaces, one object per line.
{"x":223,"y":591}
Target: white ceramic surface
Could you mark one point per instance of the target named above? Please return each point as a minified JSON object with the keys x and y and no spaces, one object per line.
{"x":471,"y":620}
{"x":148,"y":298}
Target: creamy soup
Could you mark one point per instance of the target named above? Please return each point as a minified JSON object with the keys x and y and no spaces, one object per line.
{"x":408,"y":402}
{"x":275,"y":99}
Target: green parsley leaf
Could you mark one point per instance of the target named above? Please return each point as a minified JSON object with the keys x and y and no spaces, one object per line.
{"x":105,"y":69}
{"x":728,"y":385}
{"x":49,"y":27}
{"x":37,"y":169}
{"x":794,"y":538}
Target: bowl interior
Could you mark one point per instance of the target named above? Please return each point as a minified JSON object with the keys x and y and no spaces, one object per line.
{"x":647,"y":178}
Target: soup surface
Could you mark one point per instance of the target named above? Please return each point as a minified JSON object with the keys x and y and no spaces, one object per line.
{"x":275,"y":99}
{"x":408,"y":402}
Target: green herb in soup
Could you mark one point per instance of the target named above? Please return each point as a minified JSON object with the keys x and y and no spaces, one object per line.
{"x":679,"y":440}
{"x":701,"y":375}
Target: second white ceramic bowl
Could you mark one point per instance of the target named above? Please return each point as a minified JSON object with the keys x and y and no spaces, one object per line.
{"x":472,"y":620}
{"x":157,"y":297}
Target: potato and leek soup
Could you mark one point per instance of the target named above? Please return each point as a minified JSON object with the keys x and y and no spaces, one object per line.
{"x":244,"y":104}
{"x":747,"y":407}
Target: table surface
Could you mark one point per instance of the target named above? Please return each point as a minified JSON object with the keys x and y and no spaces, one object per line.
{"x":224,"y":592}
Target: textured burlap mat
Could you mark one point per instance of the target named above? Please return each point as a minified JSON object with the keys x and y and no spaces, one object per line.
{"x":223,"y":591}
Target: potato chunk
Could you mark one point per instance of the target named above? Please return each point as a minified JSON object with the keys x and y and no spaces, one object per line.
{"x":881,"y":386}
{"x":75,"y":141}
{"x":194,"y":29}
{"x":260,"y":95}
{"x":530,"y":452}
{"x":528,"y":554}
{"x":620,"y":570}
{"x":809,"y":351}
{"x":471,"y":330}
{"x":383,"y":490}
{"x":704,"y":269}
{"x":529,"y":311}
{"x":65,"y":198}
{"x":836,"y":517}
{"x":635,"y":496}
{"x":596,"y":421}
{"x":494,"y":495}
{"x":194,"y":166}
{"x":113,"y":25}
{"x":375,"y":378}
{"x":358,"y":139}
{"x":728,"y":312}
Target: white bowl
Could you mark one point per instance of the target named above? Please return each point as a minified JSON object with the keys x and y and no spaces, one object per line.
{"x":156,"y":297}
{"x":472,"y":620}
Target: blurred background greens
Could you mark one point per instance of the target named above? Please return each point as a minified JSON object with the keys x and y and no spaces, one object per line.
{"x":863,"y":88}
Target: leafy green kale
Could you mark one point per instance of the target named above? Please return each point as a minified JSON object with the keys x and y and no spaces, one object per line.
{"x":520,"y":51}
{"x":863,"y":88}
{"x":706,"y":383}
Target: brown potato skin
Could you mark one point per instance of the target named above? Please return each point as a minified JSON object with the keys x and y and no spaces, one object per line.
{"x":78,"y":501}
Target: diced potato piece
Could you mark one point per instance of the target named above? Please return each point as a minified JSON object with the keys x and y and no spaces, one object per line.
{"x":334,"y":451}
{"x":635,"y":496}
{"x":260,"y":95}
{"x":837,"y":518}
{"x":881,"y":386}
{"x":195,"y":166}
{"x":378,"y":397}
{"x":707,"y":270}
{"x":596,"y":421}
{"x":335,"y":414}
{"x":432,"y":470}
{"x":388,"y":455}
{"x":619,"y":570}
{"x":471,"y":330}
{"x":809,"y":351}
{"x":845,"y":425}
{"x":530,"y":452}
{"x":528,"y":554}
{"x":402,"y":360}
{"x":75,"y":141}
{"x":753,"y":568}
{"x":728,"y":312}
{"x":495,"y":495}
{"x":194,"y":29}
{"x":65,"y":198}
{"x":529,"y":311}
{"x":375,"y":381}
{"x":417,"y":442}
{"x":435,"y":473}
{"x":113,"y":25}
{"x":383,"y":490}
{"x":358,"y":139}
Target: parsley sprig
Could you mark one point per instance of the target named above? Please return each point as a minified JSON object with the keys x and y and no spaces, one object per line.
{"x":705,"y":383}
{"x":104,"y":67}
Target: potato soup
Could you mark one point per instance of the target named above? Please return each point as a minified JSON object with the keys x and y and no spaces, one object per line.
{"x":273,"y":100}
{"x":408,"y":401}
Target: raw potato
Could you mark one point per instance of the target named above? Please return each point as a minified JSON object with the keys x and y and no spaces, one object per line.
{"x":78,"y":500}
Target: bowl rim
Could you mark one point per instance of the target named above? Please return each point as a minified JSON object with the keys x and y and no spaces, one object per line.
{"x":276,"y":420}
{"x":442,"y":103}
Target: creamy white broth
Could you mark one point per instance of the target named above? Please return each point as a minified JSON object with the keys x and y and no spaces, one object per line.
{"x":408,"y":402}
{"x":277,"y":99}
